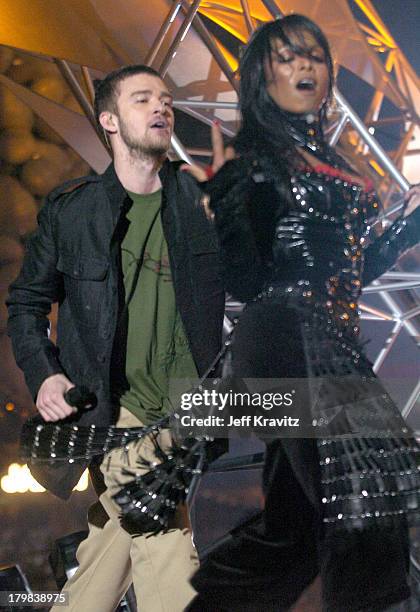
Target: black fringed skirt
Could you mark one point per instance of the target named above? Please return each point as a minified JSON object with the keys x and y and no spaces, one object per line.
{"x":339,"y":502}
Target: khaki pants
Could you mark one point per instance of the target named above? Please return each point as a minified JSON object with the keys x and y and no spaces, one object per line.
{"x":110,"y":558}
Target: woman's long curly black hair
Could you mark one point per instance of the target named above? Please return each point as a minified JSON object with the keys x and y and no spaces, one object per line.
{"x":263,"y":122}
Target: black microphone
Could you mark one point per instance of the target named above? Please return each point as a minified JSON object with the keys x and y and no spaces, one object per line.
{"x":81,"y":398}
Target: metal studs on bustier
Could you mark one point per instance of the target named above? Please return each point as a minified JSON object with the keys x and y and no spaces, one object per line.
{"x":367,"y":466}
{"x":322,"y":235}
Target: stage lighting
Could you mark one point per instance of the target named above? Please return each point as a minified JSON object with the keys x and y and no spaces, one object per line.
{"x":20,"y":480}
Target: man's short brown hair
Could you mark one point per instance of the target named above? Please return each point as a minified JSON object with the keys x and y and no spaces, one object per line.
{"x":107,"y":90}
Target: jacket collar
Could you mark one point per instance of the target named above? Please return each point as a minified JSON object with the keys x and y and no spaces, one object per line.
{"x":165,"y":173}
{"x":117,"y":194}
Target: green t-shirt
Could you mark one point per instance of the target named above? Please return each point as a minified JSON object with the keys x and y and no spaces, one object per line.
{"x":157,"y":347}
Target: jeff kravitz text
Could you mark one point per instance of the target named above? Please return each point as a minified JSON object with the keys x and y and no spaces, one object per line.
{"x":247,"y":420}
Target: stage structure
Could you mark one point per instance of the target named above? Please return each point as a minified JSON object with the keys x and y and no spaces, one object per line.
{"x":195,"y":45}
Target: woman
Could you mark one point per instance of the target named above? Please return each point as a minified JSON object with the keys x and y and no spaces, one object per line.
{"x":292,"y":219}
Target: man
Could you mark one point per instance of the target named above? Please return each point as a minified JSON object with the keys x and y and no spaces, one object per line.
{"x":132,"y":262}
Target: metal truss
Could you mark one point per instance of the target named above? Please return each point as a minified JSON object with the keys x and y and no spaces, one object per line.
{"x":396,"y":65}
{"x":379,"y":37}
{"x":402,"y":319}
{"x":180,"y":20}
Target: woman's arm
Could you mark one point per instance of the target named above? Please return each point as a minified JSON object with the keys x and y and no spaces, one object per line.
{"x":403,"y":234}
{"x":226,"y":200}
{"x":230,"y":193}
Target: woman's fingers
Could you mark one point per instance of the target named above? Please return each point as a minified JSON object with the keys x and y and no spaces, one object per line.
{"x":196,"y":171}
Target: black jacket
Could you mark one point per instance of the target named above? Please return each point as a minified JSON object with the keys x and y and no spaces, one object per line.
{"x":74,"y":259}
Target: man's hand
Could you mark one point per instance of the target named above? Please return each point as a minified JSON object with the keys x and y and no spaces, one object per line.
{"x":50,"y":401}
{"x":412,"y":196}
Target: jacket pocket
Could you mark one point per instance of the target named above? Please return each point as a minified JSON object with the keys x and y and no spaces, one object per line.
{"x":202,"y":244}
{"x":84,"y":283}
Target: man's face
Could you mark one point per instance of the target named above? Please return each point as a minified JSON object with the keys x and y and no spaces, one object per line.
{"x":145,"y":115}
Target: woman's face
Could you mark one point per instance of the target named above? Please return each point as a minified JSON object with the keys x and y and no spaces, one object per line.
{"x":297,"y":83}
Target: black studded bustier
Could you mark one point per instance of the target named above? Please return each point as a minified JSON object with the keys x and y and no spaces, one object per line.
{"x":318,"y":246}
{"x":308,"y":238}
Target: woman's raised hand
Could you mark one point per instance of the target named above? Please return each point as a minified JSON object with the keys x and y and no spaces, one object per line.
{"x":220,"y":155}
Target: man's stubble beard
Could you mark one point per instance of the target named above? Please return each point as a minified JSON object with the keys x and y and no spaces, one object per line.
{"x":141,"y":150}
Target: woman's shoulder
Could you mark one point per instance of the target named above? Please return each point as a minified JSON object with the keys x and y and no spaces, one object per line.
{"x":233,"y":172}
